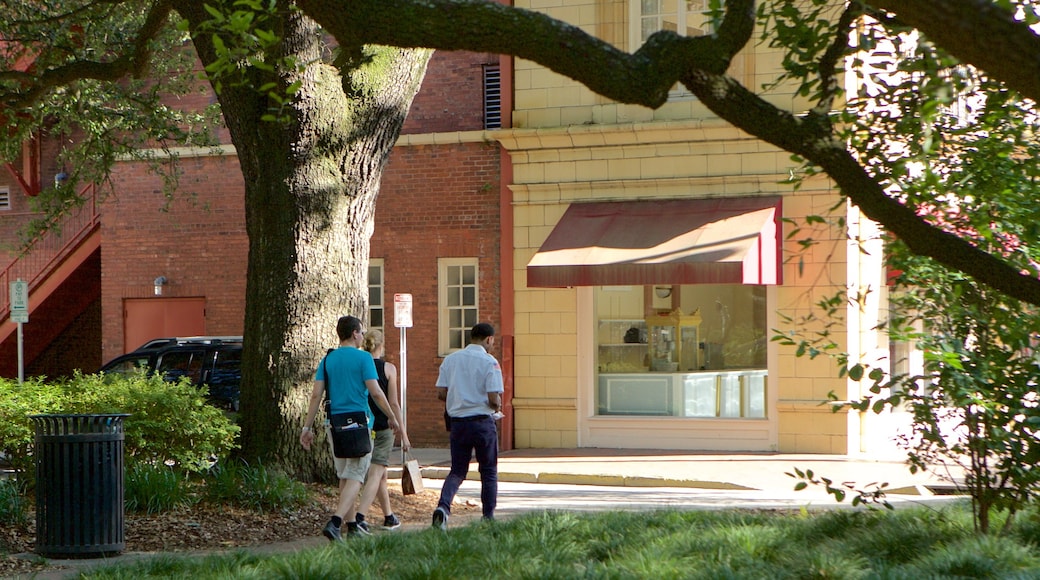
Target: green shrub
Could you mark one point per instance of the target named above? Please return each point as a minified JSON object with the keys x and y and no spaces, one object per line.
{"x":255,"y":487}
{"x":17,"y":433}
{"x":13,"y":509}
{"x":155,"y":489}
{"x":169,"y":423}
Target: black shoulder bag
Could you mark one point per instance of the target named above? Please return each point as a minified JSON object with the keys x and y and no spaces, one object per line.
{"x":350,"y":435}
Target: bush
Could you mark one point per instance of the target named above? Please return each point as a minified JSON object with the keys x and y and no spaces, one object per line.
{"x":169,"y":422}
{"x":17,"y":403}
{"x":153,"y":489}
{"x":255,"y":487}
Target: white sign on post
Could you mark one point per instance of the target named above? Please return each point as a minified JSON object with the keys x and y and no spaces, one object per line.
{"x":403,"y":320}
{"x":403,"y":310}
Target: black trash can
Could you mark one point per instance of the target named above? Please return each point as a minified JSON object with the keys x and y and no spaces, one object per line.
{"x":79,"y":485}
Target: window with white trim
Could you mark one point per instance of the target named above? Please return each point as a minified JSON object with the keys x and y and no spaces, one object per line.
{"x":376,"y":310}
{"x":5,"y":198}
{"x":457,"y":303}
{"x":685,"y":17}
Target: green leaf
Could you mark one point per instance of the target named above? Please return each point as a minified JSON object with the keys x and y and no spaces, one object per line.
{"x":856,"y":372}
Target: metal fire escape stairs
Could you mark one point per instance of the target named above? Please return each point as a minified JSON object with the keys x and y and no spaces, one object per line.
{"x":51,"y":258}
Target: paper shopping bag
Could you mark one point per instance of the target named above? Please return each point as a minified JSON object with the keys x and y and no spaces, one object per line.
{"x":411,"y":478}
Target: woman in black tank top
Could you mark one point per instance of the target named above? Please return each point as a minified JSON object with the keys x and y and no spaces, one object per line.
{"x":375,"y":484}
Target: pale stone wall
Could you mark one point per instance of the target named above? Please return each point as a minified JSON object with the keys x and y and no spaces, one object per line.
{"x":811,"y":275}
{"x":570,"y":145}
{"x":544,"y":98}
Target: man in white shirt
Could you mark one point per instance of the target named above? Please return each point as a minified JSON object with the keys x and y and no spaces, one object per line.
{"x":470,"y":384}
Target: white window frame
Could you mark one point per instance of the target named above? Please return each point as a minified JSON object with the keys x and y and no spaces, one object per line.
{"x":376,"y":295}
{"x":635,"y":30}
{"x":5,"y":198}
{"x":450,"y":291}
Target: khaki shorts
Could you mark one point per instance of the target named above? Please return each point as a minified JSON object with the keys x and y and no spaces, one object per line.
{"x":355,"y":468}
{"x":382,"y":447}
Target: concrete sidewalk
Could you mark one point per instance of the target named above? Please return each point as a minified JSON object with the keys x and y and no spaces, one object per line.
{"x":763,"y":472}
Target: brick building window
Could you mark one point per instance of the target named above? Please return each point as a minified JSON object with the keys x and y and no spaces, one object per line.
{"x":456,"y":303}
{"x":5,"y":198}
{"x":375,"y":294}
{"x":492,"y":97}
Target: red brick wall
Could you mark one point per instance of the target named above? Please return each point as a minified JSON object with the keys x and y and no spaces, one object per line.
{"x":198,"y":243}
{"x":20,"y":213}
{"x":435,"y":202}
{"x":78,"y":347}
{"x":452,"y":94}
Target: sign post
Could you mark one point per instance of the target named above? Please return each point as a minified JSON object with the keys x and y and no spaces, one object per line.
{"x":19,"y":294}
{"x":403,"y":320}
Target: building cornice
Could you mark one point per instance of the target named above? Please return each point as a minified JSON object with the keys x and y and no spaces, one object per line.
{"x":620,"y":134}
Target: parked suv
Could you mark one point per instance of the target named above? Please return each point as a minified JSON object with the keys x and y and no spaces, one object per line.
{"x":214,"y":362}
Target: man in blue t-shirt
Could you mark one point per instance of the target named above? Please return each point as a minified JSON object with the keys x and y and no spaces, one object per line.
{"x":351,"y":375}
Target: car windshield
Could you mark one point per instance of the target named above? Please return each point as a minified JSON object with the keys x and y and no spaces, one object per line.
{"x":129,"y":366}
{"x":182,"y":363}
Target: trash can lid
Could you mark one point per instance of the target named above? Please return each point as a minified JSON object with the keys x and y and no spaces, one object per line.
{"x":78,"y":423}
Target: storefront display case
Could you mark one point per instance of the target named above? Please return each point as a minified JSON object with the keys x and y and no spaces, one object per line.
{"x":674,"y":342}
{"x":622,"y":346}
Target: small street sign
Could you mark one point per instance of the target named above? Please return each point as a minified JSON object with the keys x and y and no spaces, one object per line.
{"x":19,"y":296}
{"x":403,"y":310}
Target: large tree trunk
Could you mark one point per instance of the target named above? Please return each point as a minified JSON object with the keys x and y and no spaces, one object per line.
{"x":310,"y":190}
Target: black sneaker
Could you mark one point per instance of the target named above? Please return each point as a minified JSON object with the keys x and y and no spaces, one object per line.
{"x":391,"y":522}
{"x":332,"y":532}
{"x":440,"y":519}
{"x":356,"y":529}
{"x":363,"y":525}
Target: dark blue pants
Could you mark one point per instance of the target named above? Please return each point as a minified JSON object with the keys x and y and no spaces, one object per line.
{"x":481,"y":436}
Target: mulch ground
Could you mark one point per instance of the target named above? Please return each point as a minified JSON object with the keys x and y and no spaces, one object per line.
{"x":206,"y":527}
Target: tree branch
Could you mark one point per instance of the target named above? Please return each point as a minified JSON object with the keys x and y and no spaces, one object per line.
{"x":134,"y":63}
{"x":747,"y":111}
{"x":645,"y":77}
{"x":829,"y":61}
{"x":980,"y":33}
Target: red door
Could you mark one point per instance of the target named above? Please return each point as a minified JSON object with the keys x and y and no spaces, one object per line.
{"x":148,"y":318}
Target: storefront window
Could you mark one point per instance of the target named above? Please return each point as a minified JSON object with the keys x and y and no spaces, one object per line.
{"x":687,"y":351}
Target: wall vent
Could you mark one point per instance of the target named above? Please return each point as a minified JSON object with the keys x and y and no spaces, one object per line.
{"x":492,"y":97}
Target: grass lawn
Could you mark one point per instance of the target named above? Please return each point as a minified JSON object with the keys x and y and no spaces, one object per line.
{"x":909,"y":543}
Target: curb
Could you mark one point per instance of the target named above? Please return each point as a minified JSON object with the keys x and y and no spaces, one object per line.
{"x":435,"y":472}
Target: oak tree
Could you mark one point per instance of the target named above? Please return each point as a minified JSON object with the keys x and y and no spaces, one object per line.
{"x":314,"y":100}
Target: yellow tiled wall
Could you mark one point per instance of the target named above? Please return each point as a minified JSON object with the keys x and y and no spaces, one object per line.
{"x":569,"y":145}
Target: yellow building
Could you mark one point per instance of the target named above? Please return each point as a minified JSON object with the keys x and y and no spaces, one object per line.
{"x":652,"y":264}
